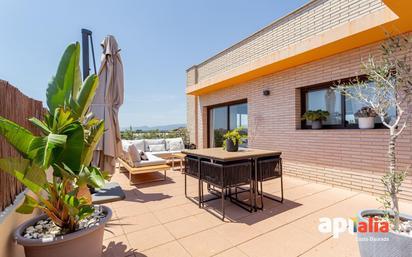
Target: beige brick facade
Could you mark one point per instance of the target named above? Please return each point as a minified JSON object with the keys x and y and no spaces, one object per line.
{"x":349,"y":158}
{"x":311,"y":19}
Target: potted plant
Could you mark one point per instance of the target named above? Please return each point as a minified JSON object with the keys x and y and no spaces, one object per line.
{"x":366,"y":117}
{"x":316,"y":117}
{"x":70,"y":225}
{"x":232,"y":140}
{"x":391,"y":75}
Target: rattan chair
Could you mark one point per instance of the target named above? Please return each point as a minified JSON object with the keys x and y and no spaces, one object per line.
{"x":269,"y":168}
{"x":192,"y":168}
{"x":225,"y":176}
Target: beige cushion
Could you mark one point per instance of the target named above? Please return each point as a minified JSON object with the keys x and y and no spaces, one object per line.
{"x":125,"y":146}
{"x":152,"y":160}
{"x":157,"y":148}
{"x":174,"y":144}
{"x":134,"y":155}
{"x":139,"y":144}
{"x":149,"y":142}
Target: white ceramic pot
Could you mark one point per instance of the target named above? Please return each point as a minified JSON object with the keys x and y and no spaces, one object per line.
{"x":316,"y":124}
{"x":366,"y":122}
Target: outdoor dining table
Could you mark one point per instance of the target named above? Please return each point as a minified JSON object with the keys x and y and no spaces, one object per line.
{"x":211,"y":165}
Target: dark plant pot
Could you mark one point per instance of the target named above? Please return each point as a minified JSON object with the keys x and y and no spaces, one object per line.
{"x":378,"y":244}
{"x":230,"y":146}
{"x":316,"y":124}
{"x":87,"y":242}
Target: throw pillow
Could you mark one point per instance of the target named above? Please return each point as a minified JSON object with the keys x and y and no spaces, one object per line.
{"x":134,"y":155}
{"x":174,"y":144}
{"x":143,"y":156}
{"x":149,"y":142}
{"x":157,"y":148}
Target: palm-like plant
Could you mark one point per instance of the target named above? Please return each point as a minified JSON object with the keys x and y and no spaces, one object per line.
{"x":65,"y":147}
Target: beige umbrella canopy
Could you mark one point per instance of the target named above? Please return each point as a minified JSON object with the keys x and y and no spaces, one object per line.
{"x":106,"y":104}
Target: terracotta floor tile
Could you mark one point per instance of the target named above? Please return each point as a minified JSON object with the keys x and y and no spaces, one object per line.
{"x":138,"y":222}
{"x":148,"y":238}
{"x":186,"y":226}
{"x":112,"y":229}
{"x":206,"y":243}
{"x":286,"y":241}
{"x":344,"y":246}
{"x":172,"y":249}
{"x":171,"y":214}
{"x":232,"y":252}
{"x":130,"y":210}
{"x":237,"y":233}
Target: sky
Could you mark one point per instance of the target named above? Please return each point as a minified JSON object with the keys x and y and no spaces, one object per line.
{"x":159,"y":39}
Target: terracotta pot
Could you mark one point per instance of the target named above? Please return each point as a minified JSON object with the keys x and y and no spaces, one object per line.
{"x":366,"y":122}
{"x":87,"y":242}
{"x":378,"y":244}
{"x":230,"y":146}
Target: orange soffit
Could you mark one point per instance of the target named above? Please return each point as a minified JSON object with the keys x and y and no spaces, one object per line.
{"x":363,"y":30}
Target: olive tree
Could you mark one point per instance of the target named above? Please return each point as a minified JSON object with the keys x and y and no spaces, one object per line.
{"x":388,"y":89}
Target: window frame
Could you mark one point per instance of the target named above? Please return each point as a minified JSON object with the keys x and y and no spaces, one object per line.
{"x":227,"y":105}
{"x":326,"y":85}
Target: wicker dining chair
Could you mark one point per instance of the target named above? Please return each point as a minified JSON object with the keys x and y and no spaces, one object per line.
{"x":192,"y":168}
{"x":269,"y":168}
{"x":224,"y":176}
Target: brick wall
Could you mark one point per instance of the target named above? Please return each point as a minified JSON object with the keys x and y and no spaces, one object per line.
{"x":348,"y":158}
{"x":315,"y":17}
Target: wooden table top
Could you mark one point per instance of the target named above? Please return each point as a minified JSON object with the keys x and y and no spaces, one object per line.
{"x":223,"y":155}
{"x":179,"y":155}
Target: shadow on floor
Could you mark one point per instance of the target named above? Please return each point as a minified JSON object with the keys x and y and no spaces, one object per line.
{"x":136,"y":196}
{"x":115,"y":249}
{"x":149,"y":179}
{"x":234,"y":213}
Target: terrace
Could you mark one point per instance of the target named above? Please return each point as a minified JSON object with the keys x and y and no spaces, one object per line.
{"x":156,"y":219}
{"x":330,"y":173}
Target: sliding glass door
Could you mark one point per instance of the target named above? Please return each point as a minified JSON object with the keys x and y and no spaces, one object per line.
{"x":226,"y":117}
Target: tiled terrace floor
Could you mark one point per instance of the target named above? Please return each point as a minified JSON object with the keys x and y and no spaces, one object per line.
{"x":157,"y":220}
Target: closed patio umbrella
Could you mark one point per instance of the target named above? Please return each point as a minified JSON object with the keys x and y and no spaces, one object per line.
{"x":106,"y":104}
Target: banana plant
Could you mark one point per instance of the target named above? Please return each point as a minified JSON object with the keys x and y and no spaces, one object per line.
{"x":69,"y":135}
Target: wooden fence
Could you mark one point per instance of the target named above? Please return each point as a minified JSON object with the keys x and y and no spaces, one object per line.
{"x":16,"y":107}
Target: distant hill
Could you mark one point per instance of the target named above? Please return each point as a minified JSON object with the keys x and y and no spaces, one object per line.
{"x":162,"y":127}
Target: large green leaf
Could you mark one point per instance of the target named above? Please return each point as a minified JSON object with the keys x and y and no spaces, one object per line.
{"x":91,"y":176}
{"x":28,"y":205}
{"x":40,"y":124}
{"x":93,"y":138}
{"x":66,"y":83}
{"x":29,"y":174}
{"x":86,"y":95}
{"x":73,"y":150}
{"x":44,"y":147}
{"x":19,"y":137}
{"x":62,"y":118}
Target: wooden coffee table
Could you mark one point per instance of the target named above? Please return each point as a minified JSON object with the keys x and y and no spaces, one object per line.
{"x":180,"y":157}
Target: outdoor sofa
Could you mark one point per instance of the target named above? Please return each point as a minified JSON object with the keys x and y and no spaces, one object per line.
{"x":152,"y":155}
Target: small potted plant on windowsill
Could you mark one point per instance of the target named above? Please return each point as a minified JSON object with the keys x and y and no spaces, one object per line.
{"x":316,"y":117}
{"x":232,"y":140}
{"x":70,"y":224}
{"x":366,"y":118}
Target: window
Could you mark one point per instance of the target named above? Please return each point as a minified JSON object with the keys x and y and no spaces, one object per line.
{"x":341,"y":109}
{"x":226,"y":117}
